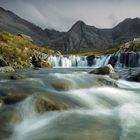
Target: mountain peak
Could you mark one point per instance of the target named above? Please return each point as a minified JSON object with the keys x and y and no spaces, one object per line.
{"x":79,"y":25}
{"x":80,"y":22}
{"x":129,"y":21}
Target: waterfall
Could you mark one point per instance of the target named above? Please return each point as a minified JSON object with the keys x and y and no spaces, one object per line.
{"x":125,"y":59}
{"x":128,"y":59}
{"x":77,"y":61}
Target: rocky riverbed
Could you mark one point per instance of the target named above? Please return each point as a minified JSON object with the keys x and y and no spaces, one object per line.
{"x":68,"y":104}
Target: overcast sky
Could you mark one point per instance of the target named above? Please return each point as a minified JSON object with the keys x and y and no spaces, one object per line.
{"x":62,"y":14}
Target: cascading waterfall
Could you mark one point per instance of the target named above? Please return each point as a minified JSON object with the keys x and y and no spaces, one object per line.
{"x":130,"y":59}
{"x":77,"y":61}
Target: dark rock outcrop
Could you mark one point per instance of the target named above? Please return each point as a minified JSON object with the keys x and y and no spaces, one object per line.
{"x":113,"y":60}
{"x":3,"y":63}
{"x":91,"y":60}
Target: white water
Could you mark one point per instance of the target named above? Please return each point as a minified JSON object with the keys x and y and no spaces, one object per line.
{"x":100,"y":112}
{"x":99,"y":61}
{"x":77,"y":61}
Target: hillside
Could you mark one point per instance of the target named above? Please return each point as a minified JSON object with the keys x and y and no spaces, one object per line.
{"x":16,"y":49}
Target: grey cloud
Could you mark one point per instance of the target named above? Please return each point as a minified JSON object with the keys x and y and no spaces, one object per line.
{"x":62,"y":14}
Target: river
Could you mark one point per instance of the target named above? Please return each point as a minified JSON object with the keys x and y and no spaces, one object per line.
{"x":97,"y":110}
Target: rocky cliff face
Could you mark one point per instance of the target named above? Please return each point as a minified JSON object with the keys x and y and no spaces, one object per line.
{"x":80,"y":38}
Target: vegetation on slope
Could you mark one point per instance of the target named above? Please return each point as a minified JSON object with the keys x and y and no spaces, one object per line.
{"x":18,"y":49}
{"x":108,"y":51}
{"x":126,"y":47}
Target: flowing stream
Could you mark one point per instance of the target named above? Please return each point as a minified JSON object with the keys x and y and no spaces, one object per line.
{"x":99,"y":108}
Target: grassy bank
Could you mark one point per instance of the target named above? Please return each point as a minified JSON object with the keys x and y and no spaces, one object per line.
{"x":16,"y":48}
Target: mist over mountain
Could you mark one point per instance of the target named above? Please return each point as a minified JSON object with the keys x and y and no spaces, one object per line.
{"x":80,"y":38}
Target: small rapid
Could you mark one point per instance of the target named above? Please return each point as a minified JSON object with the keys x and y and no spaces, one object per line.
{"x":98,"y":107}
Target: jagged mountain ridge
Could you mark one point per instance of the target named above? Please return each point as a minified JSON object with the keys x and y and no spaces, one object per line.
{"x":80,"y":38}
{"x":12,"y":23}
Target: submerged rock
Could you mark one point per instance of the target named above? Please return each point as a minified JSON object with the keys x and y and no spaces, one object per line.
{"x":103,"y":70}
{"x":135,"y":77}
{"x":12,"y":98}
{"x":44,"y":103}
{"x":106,"y":82}
{"x":7,"y":69}
{"x":9,"y":116}
{"x":17,"y":77}
{"x":63,"y":85}
{"x":114,"y":75}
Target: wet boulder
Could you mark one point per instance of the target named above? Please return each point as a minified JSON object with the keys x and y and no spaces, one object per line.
{"x":44,"y":103}
{"x":9,"y":116}
{"x":17,"y":77}
{"x":63,"y":85}
{"x":12,"y":97}
{"x":43,"y":64}
{"x":103,"y":70}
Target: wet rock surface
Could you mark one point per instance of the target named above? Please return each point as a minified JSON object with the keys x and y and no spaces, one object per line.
{"x":9,"y":117}
{"x":17,"y":77}
{"x":44,"y":103}
{"x":103,"y":70}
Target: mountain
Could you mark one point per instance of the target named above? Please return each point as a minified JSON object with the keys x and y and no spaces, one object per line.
{"x":126,"y":30}
{"x":83,"y":38}
{"x":80,"y":38}
{"x":16,"y":25}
